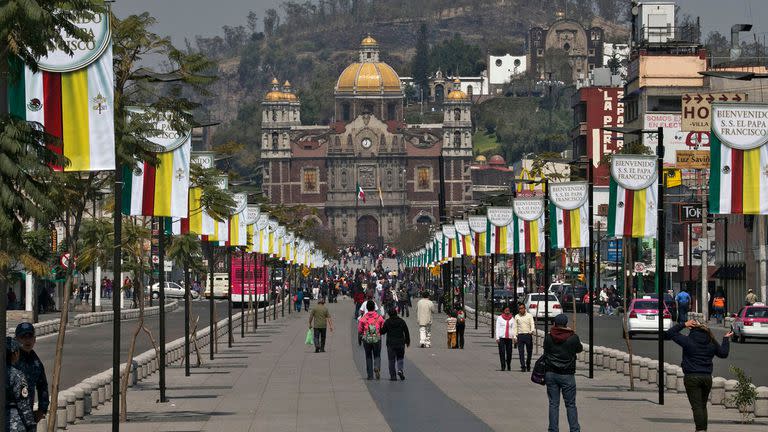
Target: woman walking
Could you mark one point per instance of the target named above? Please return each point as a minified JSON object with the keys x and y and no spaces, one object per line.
{"x":505,"y":333}
{"x":369,"y":331}
{"x":699,"y":348}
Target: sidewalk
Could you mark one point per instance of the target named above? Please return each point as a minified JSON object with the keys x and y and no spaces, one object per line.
{"x":509,"y":401}
{"x":269,"y":381}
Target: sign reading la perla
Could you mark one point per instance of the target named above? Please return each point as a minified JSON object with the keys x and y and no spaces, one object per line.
{"x":634,"y":172}
{"x":528,"y":209}
{"x":740,"y":126}
{"x":568,"y":195}
{"x":462,"y":227}
{"x":449,"y":231}
{"x":500,"y":216}
{"x":478,"y":224}
{"x":84,"y":52}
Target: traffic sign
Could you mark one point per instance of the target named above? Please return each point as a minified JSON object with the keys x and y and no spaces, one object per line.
{"x":639,"y":267}
{"x":155,"y":259}
{"x":697,"y":109}
{"x":65,"y":259}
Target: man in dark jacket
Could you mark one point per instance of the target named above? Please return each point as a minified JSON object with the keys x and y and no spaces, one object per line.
{"x":397,"y":339}
{"x":560,"y":348}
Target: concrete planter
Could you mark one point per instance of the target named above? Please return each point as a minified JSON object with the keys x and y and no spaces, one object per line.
{"x":730,"y":389}
{"x":761,"y":404}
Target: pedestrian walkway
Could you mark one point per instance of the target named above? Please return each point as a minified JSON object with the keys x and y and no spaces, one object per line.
{"x":272,"y":381}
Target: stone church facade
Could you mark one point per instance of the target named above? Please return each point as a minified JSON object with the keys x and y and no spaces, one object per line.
{"x":396,"y":164}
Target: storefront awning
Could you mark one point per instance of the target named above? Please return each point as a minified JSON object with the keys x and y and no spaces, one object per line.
{"x":733,"y":272}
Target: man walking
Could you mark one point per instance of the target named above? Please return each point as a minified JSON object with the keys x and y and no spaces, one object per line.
{"x":398,"y":338}
{"x":751,"y":298}
{"x":524,"y":327}
{"x":424,"y":310}
{"x":683,"y":299}
{"x":322,"y":321}
{"x":560,"y":348}
{"x":33,"y":369}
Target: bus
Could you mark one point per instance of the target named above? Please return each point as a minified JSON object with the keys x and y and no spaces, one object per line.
{"x":256,"y":275}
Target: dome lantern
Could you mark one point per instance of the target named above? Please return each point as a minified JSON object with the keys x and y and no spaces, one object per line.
{"x":369,"y":76}
{"x":369,"y":50}
{"x":456,"y":94}
{"x":274,"y":94}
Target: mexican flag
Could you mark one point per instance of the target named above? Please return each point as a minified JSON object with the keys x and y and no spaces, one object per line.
{"x":77,"y":107}
{"x":360,"y":193}
{"x":632,"y":213}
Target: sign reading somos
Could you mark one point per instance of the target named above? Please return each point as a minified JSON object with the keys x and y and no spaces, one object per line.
{"x":740,"y":126}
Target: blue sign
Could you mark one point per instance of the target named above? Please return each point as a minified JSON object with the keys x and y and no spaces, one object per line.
{"x":615,"y":253}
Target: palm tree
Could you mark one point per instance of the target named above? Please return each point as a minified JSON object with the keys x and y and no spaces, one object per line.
{"x":185,"y":250}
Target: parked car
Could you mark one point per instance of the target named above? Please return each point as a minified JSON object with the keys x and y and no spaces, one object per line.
{"x":502,"y":298}
{"x":750,"y":321}
{"x":557,"y":288}
{"x":644,"y":317}
{"x":172,"y":290}
{"x":567,"y":297}
{"x":536,"y":304}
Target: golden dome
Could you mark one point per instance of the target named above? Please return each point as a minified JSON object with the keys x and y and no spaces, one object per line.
{"x":288,"y":95}
{"x":368,"y":41}
{"x":273,"y":96}
{"x":457,"y":95}
{"x":481,"y":160}
{"x":369,"y":78}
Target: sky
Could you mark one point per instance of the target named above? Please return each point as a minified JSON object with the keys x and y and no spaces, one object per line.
{"x":186,"y":18}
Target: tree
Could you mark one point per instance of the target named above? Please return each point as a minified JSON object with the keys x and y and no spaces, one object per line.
{"x":420,"y":62}
{"x":271,"y":22}
{"x":456,"y":57}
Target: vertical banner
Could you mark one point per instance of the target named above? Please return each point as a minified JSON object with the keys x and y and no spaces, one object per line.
{"x":569,"y":215}
{"x":221,"y":228}
{"x":500,"y":238}
{"x":464,"y":237}
{"x":197,"y":221}
{"x":479,"y":227}
{"x":162,"y":189}
{"x":632,"y":203}
{"x":739,"y":159}
{"x":72,"y":97}
{"x":449,"y":234}
{"x":528,"y":225}
{"x":238,"y":229}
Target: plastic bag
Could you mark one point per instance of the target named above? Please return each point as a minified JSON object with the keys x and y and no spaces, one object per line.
{"x":310,"y":337}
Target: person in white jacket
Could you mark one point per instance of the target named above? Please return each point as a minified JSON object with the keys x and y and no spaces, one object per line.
{"x":505,"y":338}
{"x":424,"y":310}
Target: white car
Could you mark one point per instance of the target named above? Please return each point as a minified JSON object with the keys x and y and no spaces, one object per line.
{"x":644,"y":317}
{"x":751,"y":321}
{"x":536,"y":303}
{"x":172,"y":290}
{"x":557,"y":288}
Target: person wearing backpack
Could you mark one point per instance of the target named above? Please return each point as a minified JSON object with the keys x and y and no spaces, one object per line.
{"x":398,"y":338}
{"x":461,"y":325}
{"x":369,"y":329}
{"x":718,"y":307}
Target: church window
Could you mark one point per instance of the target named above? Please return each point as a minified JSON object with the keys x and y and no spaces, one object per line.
{"x":389,"y":179}
{"x":368,"y":108}
{"x":343,"y":179}
{"x":310,"y":183}
{"x":367,"y":55}
{"x":540,"y":52}
{"x":498,"y":62}
{"x":457,"y":114}
{"x":274,"y":115}
{"x":595,"y":35}
{"x":470,"y":90}
{"x":457,"y":139}
{"x":424,"y":178}
{"x":391,"y":111}
{"x":275,"y":140}
{"x":345,"y":112}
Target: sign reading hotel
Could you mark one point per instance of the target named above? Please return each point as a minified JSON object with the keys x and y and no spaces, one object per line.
{"x":697,"y":108}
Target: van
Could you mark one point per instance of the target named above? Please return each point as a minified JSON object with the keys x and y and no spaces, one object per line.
{"x":220,"y":286}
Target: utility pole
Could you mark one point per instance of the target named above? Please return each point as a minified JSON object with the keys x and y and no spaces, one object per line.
{"x":704,"y":245}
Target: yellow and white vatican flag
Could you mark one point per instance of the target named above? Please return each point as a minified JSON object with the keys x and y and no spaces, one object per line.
{"x":272,"y":226}
{"x":632,"y":198}
{"x":72,"y":97}
{"x":569,"y":215}
{"x":261,"y":234}
{"x":198,"y":220}
{"x":221,"y":228}
{"x":279,"y":239}
{"x":479,"y":226}
{"x":249,"y":216}
{"x":238,"y":231}
{"x":464,"y":237}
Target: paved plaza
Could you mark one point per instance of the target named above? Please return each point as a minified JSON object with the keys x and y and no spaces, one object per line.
{"x":272,"y":381}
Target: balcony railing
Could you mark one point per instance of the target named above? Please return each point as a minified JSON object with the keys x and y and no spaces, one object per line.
{"x":685,"y":34}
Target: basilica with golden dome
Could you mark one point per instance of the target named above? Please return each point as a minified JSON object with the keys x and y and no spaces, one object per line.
{"x":367,"y":146}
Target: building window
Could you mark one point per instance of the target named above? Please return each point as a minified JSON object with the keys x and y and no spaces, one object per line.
{"x":275,"y":140}
{"x":424,"y":178}
{"x":457,"y":139}
{"x":344,"y":179}
{"x":368,"y":108}
{"x":540,"y":52}
{"x":391,"y":109}
{"x":470,"y":90}
{"x":310,"y":183}
{"x":367,"y":55}
{"x":591,"y":52}
{"x":456,"y":114}
{"x":498,"y":62}
{"x":595,"y":36}
{"x":389,"y":179}
{"x":345,"y":111}
{"x":591,"y":66}
{"x":274,"y":115}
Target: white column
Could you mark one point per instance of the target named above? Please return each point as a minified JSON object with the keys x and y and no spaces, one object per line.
{"x":96,"y":291}
{"x":30,"y":292}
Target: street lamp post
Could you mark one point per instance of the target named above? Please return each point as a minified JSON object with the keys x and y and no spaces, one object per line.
{"x":661,"y":246}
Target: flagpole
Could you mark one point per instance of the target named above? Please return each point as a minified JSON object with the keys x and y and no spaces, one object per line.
{"x":591,"y":270}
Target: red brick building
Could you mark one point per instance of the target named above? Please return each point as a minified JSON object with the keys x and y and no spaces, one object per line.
{"x":370,"y":145}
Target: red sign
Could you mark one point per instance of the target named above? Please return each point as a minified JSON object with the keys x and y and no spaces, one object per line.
{"x":604,"y":108}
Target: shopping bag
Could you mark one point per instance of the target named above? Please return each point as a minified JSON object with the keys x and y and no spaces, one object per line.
{"x":310,"y":337}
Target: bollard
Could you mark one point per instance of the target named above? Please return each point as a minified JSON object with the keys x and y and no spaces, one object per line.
{"x":134,"y":374}
{"x":612,"y":359}
{"x":620,"y":362}
{"x":79,"y":401}
{"x":61,"y":411}
{"x":671,"y":377}
{"x":717,"y":394}
{"x":636,"y":366}
{"x":643,"y":368}
{"x":680,"y":381}
{"x":761,"y":403}
{"x":70,"y":407}
{"x":730,"y":390}
{"x":653,"y":371}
